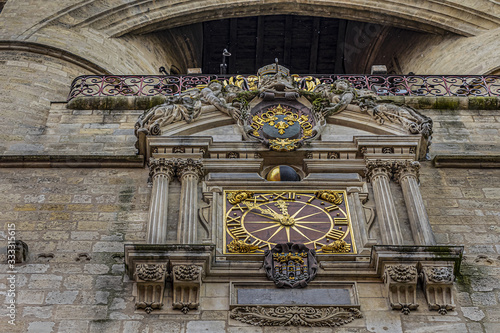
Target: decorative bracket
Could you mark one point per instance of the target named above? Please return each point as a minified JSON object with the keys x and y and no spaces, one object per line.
{"x":150,"y":281}
{"x":401,"y":286}
{"x":187,"y":286}
{"x":438,"y":286}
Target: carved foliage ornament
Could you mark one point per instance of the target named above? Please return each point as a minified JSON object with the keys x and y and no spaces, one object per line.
{"x":402,"y":273}
{"x":406,"y":168}
{"x":439,"y":274}
{"x":291,"y":265}
{"x":186,"y":273}
{"x":392,"y":169}
{"x":189,"y":166}
{"x":150,"y":272}
{"x":161,"y":166}
{"x":295,"y":316}
{"x":378,"y":167}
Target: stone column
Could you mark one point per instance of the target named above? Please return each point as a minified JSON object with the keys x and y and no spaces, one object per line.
{"x":406,"y":173}
{"x":379,"y":173}
{"x":189,"y":172}
{"x":161,"y":172}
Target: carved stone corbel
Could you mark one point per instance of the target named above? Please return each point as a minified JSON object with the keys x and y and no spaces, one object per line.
{"x":186,"y":286}
{"x":150,"y":282}
{"x":401,"y":286}
{"x":438,"y":287}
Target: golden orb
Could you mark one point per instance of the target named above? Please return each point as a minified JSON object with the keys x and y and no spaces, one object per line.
{"x":283,"y":173}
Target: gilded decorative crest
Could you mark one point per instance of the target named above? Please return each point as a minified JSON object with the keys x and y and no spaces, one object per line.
{"x":330,"y":196}
{"x":282,"y":126}
{"x":291,"y":265}
{"x":238,"y":246}
{"x":339,"y":246}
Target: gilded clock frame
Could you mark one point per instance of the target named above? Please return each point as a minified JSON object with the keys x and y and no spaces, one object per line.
{"x":247,"y":250}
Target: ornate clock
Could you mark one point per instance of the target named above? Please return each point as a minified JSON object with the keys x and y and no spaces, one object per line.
{"x":256,"y":221}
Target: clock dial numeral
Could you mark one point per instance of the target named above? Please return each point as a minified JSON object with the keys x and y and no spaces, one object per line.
{"x":335,"y":234}
{"x":240,"y":207}
{"x":341,"y":221}
{"x":284,"y":196}
{"x":233,"y":221}
{"x":331,"y":208}
{"x":238,"y":232}
{"x":311,"y":200}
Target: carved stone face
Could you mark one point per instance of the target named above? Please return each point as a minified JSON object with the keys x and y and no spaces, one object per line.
{"x":341,"y":85}
{"x":215,"y":86}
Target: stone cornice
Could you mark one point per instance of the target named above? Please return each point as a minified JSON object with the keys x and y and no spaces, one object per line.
{"x":71,"y":161}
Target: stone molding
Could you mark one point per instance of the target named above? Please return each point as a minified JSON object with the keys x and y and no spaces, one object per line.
{"x":295,"y":315}
{"x":468,"y":19}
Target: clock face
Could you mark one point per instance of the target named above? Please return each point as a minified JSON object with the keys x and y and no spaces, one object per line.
{"x":256,"y":221}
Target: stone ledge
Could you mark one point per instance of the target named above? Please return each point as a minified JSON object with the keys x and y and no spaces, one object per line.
{"x":447,"y":103}
{"x":466,"y":161}
{"x":71,"y":161}
{"x":417,"y":102}
{"x":115,"y":102}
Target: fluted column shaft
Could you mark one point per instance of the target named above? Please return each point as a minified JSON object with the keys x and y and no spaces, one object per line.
{"x":407,"y":173}
{"x":189,"y":173}
{"x":379,"y":173}
{"x":161,"y":172}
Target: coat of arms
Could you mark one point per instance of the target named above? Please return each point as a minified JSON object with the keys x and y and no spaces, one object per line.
{"x":291,"y":265}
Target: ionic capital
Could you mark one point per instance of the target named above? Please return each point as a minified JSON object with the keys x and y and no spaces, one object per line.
{"x":377,"y":168}
{"x":406,"y":168}
{"x":189,"y":167}
{"x":161,"y":166}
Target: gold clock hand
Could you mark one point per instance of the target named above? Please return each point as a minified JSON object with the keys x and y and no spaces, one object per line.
{"x":283,"y":206}
{"x":267,"y":210}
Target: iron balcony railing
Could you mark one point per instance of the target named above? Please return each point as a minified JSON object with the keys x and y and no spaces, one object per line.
{"x":382,"y":85}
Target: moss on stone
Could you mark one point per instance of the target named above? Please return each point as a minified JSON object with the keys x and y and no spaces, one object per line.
{"x":447,"y":103}
{"x":483,"y":103}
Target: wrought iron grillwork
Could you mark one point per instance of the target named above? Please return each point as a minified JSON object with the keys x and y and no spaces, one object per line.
{"x":383,"y":85}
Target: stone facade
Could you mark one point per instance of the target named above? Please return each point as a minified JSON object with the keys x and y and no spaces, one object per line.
{"x":73,"y":189}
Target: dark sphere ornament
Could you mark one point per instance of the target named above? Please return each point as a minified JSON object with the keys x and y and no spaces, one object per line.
{"x":283,"y":173}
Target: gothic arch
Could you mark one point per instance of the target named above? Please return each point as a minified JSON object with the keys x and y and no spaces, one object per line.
{"x":467,"y":18}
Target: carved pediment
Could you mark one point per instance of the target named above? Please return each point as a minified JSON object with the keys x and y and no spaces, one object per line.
{"x":309,"y":105}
